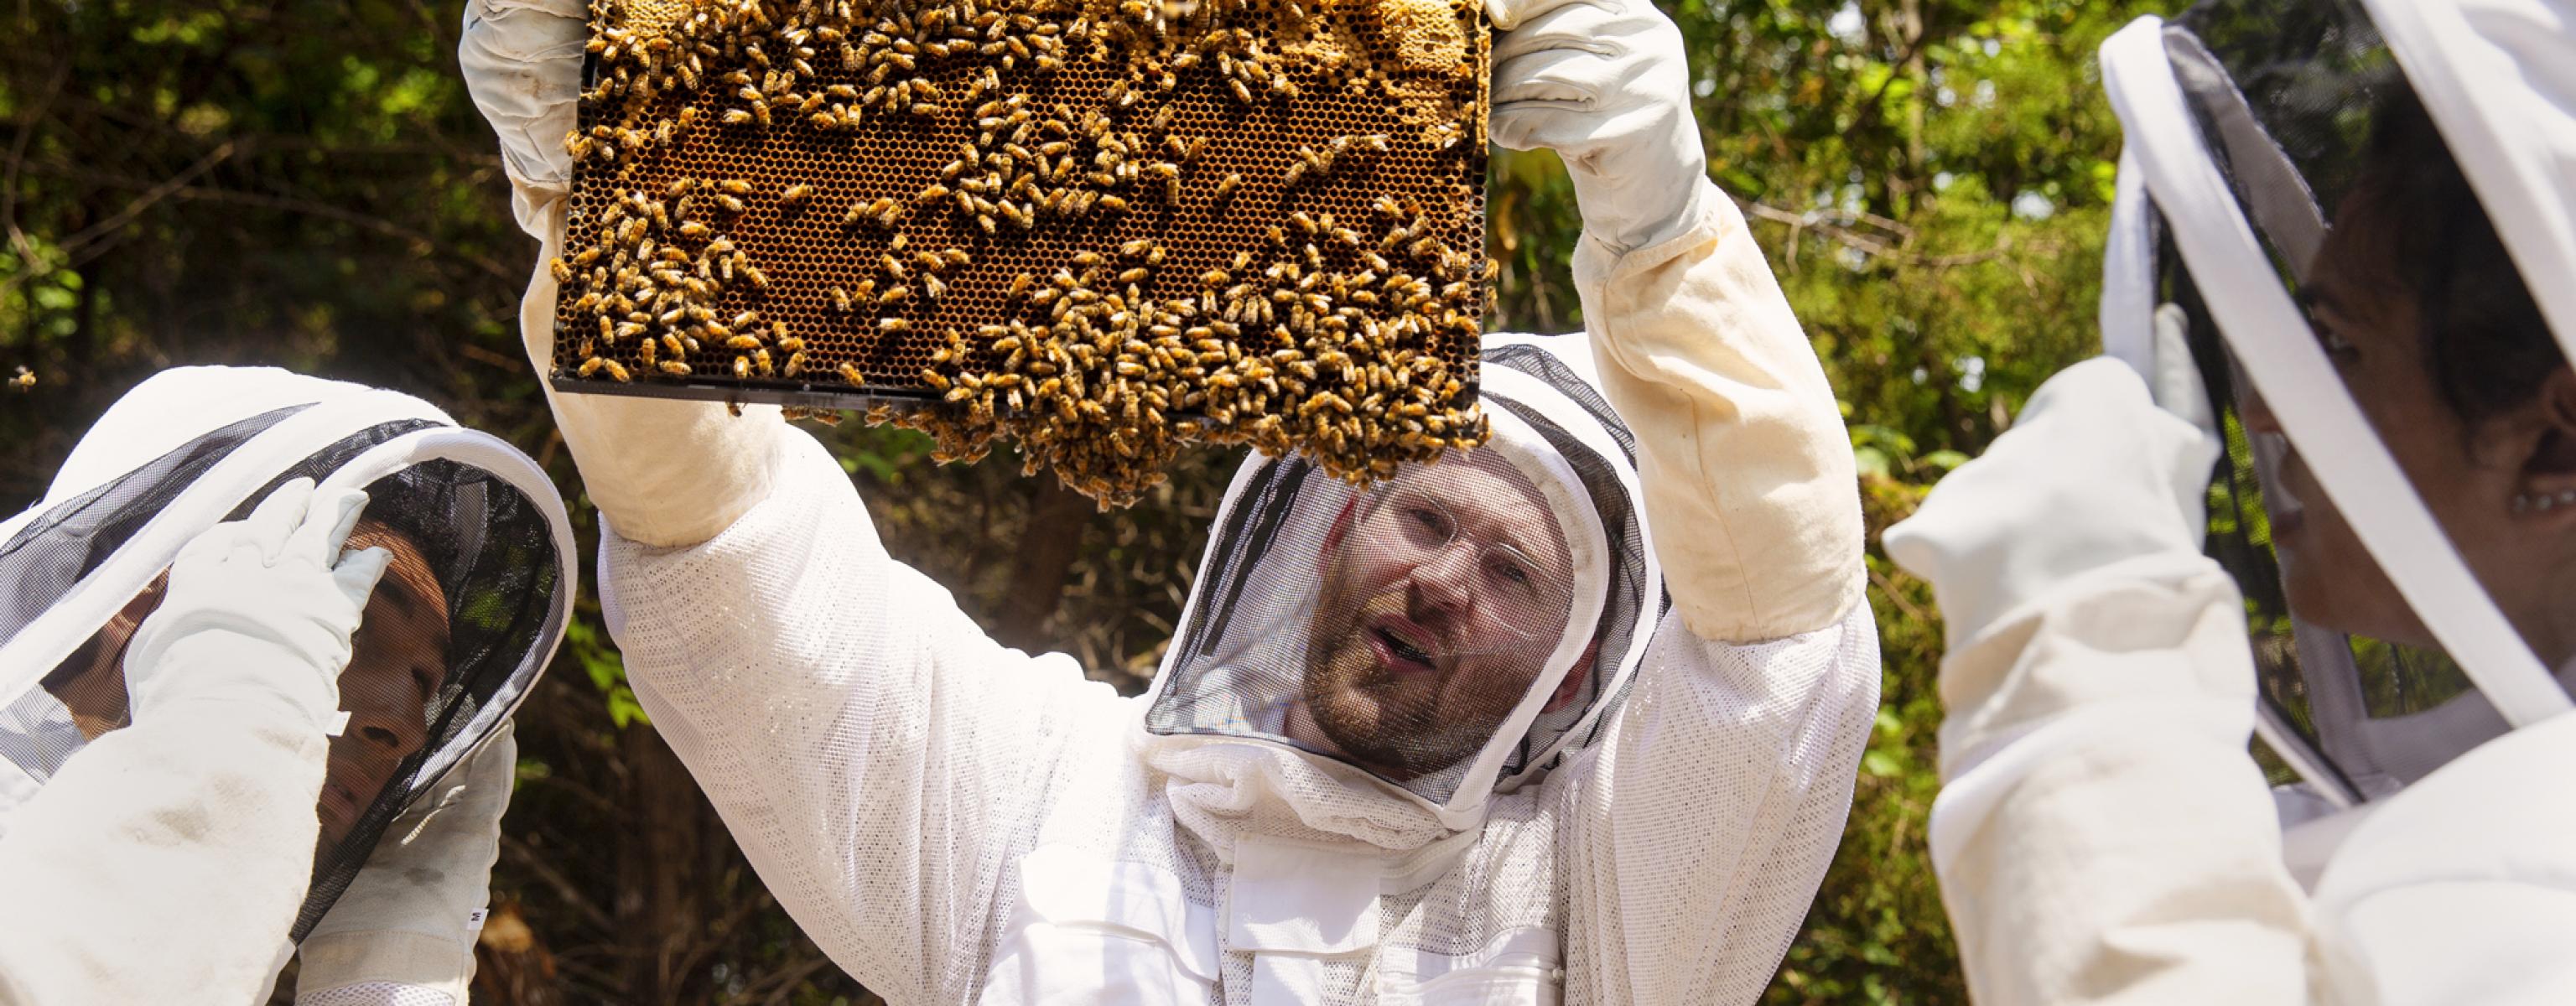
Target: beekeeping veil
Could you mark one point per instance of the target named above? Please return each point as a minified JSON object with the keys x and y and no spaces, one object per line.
{"x":1441,"y":635}
{"x":194,"y":447}
{"x":2249,"y":125}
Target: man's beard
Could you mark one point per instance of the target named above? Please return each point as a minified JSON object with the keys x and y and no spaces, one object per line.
{"x":1399,"y":725}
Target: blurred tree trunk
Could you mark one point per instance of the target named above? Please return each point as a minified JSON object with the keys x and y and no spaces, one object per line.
{"x":657,"y":909}
{"x":1043,"y":564}
{"x":512,"y":966}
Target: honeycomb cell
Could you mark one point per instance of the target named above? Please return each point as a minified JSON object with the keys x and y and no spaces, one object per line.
{"x":1011,"y":222}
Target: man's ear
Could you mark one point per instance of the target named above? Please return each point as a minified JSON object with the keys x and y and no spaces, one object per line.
{"x":1575,"y":676}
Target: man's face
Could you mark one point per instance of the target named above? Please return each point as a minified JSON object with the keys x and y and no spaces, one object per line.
{"x":398,"y":659}
{"x":2467,"y":475}
{"x":1443,"y":592}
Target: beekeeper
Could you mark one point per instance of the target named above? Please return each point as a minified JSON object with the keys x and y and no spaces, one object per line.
{"x":1442,"y":739}
{"x":2340,"y":262}
{"x":230,"y":738}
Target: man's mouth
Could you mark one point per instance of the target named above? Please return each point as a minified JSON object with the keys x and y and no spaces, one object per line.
{"x":1401,"y":646}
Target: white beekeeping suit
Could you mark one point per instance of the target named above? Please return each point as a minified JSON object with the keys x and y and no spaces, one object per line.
{"x":2339,"y":261}
{"x":205,"y":772}
{"x":1643,"y":815}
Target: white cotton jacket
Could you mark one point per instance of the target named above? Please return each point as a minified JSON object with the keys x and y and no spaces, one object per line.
{"x":174,"y":855}
{"x":955,"y":821}
{"x":2103,"y":835}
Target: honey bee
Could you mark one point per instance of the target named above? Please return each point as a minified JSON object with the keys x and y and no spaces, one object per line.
{"x":932,"y":288}
{"x":1113,"y":204}
{"x":758,"y":279}
{"x":1136,"y":275}
{"x":893,"y":325}
{"x":852,"y":374}
{"x":895,"y":294}
{"x":674,"y":367}
{"x":956,"y":257}
{"x":840,"y":300}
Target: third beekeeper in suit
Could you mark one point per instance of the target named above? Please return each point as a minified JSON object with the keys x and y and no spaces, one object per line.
{"x":2354,"y":224}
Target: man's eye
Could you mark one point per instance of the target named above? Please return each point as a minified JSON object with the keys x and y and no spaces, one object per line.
{"x":2335,"y":344}
{"x":1430,"y":519}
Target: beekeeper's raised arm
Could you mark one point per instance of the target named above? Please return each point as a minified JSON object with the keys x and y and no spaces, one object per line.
{"x":862,"y":737}
{"x":1748,"y":483}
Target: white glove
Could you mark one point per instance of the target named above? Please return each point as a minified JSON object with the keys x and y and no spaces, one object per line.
{"x":1604,"y":83}
{"x":2093,"y":473}
{"x":265,"y":603}
{"x":407,"y":924}
{"x":665,"y":473}
{"x":522,"y":61}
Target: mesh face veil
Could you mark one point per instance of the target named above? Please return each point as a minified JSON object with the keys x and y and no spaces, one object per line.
{"x":2374,"y":269}
{"x":1449,"y":632}
{"x":466,"y":616}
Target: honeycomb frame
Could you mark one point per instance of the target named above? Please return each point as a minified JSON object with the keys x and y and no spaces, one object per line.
{"x":1304,"y":148}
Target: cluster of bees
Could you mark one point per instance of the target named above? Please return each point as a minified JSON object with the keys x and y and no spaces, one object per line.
{"x":1351,"y":341}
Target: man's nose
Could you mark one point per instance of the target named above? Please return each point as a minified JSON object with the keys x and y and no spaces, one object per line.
{"x":1441,"y":585}
{"x":381,"y":734}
